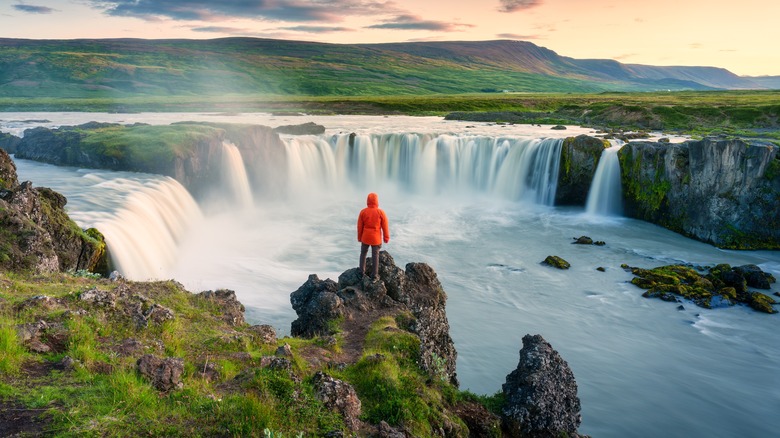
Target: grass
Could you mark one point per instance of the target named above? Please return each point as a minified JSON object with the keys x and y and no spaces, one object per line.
{"x":105,"y":396}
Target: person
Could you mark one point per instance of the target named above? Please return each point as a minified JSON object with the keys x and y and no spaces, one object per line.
{"x":372,"y":229}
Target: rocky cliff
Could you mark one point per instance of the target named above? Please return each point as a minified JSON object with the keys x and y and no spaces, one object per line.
{"x":36,"y":233}
{"x":192,"y":153}
{"x":579,"y":159}
{"x":724,"y":192}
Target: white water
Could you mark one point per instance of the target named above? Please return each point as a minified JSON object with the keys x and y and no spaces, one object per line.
{"x":234,"y":175}
{"x":643,"y":368}
{"x":605,"y":197}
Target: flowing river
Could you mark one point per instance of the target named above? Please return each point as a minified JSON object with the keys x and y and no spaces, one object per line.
{"x":474,"y":201}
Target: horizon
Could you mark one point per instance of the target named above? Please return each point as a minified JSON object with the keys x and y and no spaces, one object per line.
{"x":736,"y":37}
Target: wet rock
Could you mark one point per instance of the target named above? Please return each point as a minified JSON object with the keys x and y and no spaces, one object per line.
{"x":541,"y":394}
{"x":583,"y":240}
{"x":721,"y":286}
{"x":232,"y":309}
{"x":338,"y":396}
{"x":558,"y":128}
{"x":164,"y":374}
{"x":601,"y":269}
{"x":556,"y":262}
{"x":263,"y":334}
{"x":755,"y":277}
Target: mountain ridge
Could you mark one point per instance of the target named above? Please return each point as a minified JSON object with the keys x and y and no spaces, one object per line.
{"x":127,"y":67}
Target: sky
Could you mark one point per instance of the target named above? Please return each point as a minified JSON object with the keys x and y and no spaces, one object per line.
{"x":741,"y":36}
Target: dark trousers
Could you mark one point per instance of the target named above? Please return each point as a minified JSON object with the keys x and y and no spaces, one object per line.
{"x":374,"y":258}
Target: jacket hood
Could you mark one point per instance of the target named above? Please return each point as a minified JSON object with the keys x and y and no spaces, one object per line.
{"x":372,"y":200}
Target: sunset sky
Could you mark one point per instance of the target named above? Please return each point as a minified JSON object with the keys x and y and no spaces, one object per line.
{"x":740,"y":36}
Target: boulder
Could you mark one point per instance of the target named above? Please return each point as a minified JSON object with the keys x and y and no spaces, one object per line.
{"x":263,"y":334}
{"x":225,"y":299}
{"x":541,"y":394}
{"x":164,"y":374}
{"x":556,"y":262}
{"x":319,"y":303}
{"x":338,"y":396}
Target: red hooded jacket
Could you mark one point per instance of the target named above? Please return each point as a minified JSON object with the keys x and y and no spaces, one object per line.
{"x":372,"y":223}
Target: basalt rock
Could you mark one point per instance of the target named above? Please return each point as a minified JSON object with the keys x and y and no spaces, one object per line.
{"x":724,"y":192}
{"x":721,"y":286}
{"x":36,"y":233}
{"x":338,"y":396}
{"x":556,"y":262}
{"x":232,"y":310}
{"x":541,"y":394}
{"x":190,"y":152}
{"x":164,"y":374}
{"x":320,"y":303}
{"x":579,"y":159}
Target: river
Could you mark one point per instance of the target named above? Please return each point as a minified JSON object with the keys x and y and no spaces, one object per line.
{"x":643,"y":367}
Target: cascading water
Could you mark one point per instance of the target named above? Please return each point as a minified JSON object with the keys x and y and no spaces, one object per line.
{"x":511,"y":168}
{"x":679,"y":366}
{"x":234,"y":175}
{"x":143,"y":236}
{"x":606,"y":195}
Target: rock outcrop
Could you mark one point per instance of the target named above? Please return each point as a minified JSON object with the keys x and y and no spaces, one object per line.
{"x":190,"y":152}
{"x":721,"y":286}
{"x":36,"y":233}
{"x":579,"y":159}
{"x":541,"y":394}
{"x":724,"y":192}
{"x":319,"y":303}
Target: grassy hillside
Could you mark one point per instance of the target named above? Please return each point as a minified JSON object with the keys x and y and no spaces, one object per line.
{"x":83,"y":378}
{"x":127,"y":68}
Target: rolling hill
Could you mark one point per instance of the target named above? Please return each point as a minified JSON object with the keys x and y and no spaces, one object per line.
{"x":135,"y":67}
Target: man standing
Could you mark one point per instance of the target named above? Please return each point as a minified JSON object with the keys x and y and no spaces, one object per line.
{"x":372,"y":228}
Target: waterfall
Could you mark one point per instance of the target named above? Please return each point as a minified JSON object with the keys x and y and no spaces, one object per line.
{"x":234,"y":175}
{"x":605,"y":195}
{"x":143,"y":236}
{"x":512,"y":168}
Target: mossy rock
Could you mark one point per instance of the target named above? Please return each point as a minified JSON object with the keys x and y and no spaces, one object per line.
{"x":722,"y":286}
{"x":761,"y":302}
{"x":556,"y":262}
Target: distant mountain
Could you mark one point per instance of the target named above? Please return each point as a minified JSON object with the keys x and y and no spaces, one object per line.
{"x":130,"y":67}
{"x":770,"y":82}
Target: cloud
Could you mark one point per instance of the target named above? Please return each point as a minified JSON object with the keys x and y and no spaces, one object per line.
{"x":412,"y":22}
{"x":219,"y":29}
{"x":514,"y":36}
{"x":518,"y":5}
{"x":624,"y":56}
{"x":274,"y":10}
{"x":318,"y":29}
{"x":30,"y":9}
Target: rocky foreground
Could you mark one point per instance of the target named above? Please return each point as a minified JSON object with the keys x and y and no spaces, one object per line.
{"x":377,"y":360}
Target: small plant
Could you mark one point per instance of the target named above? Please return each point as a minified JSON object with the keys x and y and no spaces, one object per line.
{"x":83,"y":273}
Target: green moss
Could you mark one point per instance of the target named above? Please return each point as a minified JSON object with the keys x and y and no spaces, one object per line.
{"x":761,"y":302}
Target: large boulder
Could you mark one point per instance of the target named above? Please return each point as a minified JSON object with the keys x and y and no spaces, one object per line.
{"x":416,"y":290}
{"x":338,"y":396}
{"x":541,"y":394}
{"x":724,"y":192}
